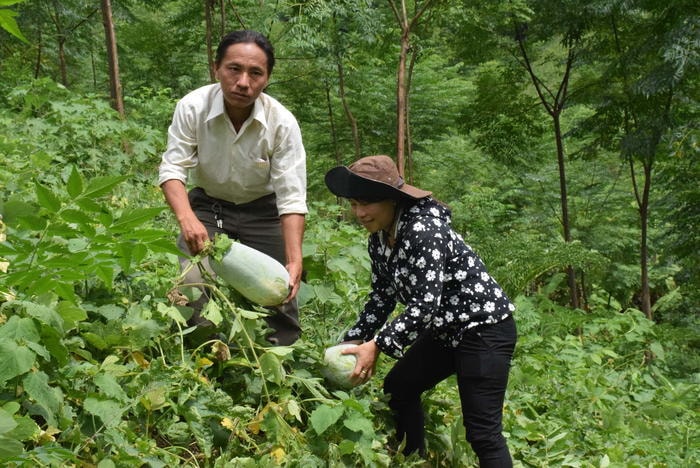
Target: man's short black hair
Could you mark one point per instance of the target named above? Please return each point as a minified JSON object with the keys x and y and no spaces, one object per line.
{"x":246,"y":36}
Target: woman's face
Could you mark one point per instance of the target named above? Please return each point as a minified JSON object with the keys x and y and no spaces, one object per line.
{"x":374,"y":216}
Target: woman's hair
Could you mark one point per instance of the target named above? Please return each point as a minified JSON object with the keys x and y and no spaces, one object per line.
{"x":401,"y":202}
{"x":375,"y":198}
{"x":245,"y":36}
{"x":378,"y":199}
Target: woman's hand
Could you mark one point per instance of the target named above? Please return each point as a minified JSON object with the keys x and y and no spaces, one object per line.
{"x":366,"y":355}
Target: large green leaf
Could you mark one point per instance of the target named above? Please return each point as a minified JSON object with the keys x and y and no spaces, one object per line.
{"x":76,"y":216}
{"x":9,"y":24}
{"x":70,"y":313}
{"x":10,"y":447}
{"x":171,"y":312}
{"x":358,"y":423}
{"x":271,"y":367}
{"x":6,"y":3}
{"x":101,"y":186}
{"x":15,"y":208}
{"x":14,"y":360}
{"x":7,"y":422}
{"x":133,"y":218}
{"x":75,"y":183}
{"x":44,"y":314}
{"x":109,"y":411}
{"x":90,"y":205}
{"x":47,"y":199}
{"x":324,"y":417}
{"x":52,"y":343}
{"x":36,"y":384}
{"x":19,"y":328}
{"x":110,"y":387}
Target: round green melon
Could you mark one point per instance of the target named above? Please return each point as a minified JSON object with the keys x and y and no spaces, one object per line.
{"x":337,"y":367}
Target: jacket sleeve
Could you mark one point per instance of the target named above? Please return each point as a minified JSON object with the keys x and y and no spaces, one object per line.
{"x":379,"y":305}
{"x":424,"y":247}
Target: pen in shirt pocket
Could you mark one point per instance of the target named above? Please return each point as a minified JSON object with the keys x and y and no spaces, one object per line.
{"x":262,"y":162}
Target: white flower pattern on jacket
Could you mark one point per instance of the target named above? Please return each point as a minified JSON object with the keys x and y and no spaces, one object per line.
{"x":436,"y":275}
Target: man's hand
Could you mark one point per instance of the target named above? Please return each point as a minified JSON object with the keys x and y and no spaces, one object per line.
{"x":295,"y":270}
{"x":194,"y":234}
{"x":193,"y":231}
{"x":293,"y":233}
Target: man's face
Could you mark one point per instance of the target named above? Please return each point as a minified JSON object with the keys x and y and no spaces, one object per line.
{"x":243,"y":75}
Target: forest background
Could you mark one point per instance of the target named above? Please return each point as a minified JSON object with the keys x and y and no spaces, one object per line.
{"x":563,"y":135}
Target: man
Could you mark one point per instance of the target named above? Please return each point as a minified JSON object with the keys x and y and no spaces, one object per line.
{"x":244,"y":155}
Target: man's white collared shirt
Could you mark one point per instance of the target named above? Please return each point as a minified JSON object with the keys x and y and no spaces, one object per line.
{"x":265,"y":156}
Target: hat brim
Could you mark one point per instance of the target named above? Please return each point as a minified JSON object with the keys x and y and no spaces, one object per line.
{"x":342,"y":182}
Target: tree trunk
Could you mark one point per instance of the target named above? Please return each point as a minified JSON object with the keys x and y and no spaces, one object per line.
{"x":409,"y":139}
{"x":348,"y":112}
{"x":643,"y":208}
{"x":60,"y":40}
{"x":644,"y":246}
{"x":222,"y":15}
{"x":62,"y":67}
{"x":334,"y":133}
{"x":208,"y":34}
{"x":115,"y":86}
{"x":563,"y":196}
{"x":554,"y":108}
{"x":402,"y":78}
{"x":401,"y":101}
{"x":39,"y":49}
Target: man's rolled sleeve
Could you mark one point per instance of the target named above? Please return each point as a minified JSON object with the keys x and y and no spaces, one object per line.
{"x":288,"y":174}
{"x":181,"y":153}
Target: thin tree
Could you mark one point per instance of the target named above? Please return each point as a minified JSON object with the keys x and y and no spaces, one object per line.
{"x":331,"y":120}
{"x":115,"y":86}
{"x":647,"y":62}
{"x":338,"y":46}
{"x":406,"y":25}
{"x":222,"y":18}
{"x":63,"y":32}
{"x":208,"y":7}
{"x":554,"y":103}
{"x":346,"y":108}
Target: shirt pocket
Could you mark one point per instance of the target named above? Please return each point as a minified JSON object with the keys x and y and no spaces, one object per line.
{"x":260,"y":160}
{"x":254,"y":169}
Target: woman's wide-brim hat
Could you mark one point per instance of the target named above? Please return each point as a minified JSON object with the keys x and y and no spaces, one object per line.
{"x":371,"y":178}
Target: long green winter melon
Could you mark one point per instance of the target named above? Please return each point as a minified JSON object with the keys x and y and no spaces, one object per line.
{"x":257,"y":276}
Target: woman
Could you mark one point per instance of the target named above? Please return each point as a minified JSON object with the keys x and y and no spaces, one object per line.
{"x":456,"y":320}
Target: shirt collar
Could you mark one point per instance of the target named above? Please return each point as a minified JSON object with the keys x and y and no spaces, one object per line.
{"x":217,"y":105}
{"x":258,"y":112}
{"x":384,"y":237}
{"x":217,"y":109}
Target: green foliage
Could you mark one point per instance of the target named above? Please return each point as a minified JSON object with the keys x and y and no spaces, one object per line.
{"x":97,"y":364}
{"x":7,"y":19}
{"x":175,"y":61}
{"x":67,"y":129}
{"x":506,"y":129}
{"x":679,"y":238}
{"x":337,"y":273}
{"x":611,"y":370}
{"x":65,"y":239}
